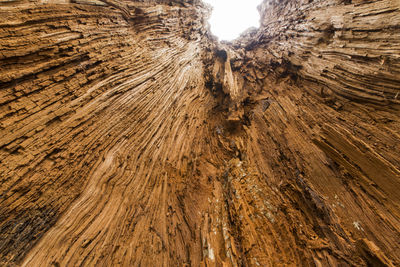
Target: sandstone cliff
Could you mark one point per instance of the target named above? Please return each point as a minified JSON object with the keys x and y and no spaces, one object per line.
{"x":130,"y":136}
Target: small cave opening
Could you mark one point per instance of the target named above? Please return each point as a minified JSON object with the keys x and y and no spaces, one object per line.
{"x":231,"y":18}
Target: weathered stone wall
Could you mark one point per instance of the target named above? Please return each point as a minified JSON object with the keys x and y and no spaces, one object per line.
{"x":129,"y":136}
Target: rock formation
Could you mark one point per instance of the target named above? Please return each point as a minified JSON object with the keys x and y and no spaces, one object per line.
{"x":130,"y":136}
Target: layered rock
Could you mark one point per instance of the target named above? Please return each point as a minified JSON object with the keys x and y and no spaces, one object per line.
{"x":130,"y":136}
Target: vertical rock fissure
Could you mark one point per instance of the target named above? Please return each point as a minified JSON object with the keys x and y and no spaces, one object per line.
{"x":130,"y":136}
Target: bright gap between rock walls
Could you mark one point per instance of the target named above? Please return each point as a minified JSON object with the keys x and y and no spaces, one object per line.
{"x":230,"y":18}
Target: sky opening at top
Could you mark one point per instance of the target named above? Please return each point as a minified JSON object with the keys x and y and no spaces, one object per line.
{"x":230,"y":18}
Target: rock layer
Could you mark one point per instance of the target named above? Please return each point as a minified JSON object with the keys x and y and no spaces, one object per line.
{"x":130,"y":136}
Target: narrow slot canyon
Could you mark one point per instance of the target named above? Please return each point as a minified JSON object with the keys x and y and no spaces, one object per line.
{"x":131,"y":136}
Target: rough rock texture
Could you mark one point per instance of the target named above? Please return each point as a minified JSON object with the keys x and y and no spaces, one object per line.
{"x":129,"y":136}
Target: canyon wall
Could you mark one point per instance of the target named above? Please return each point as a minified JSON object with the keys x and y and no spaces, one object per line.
{"x":130,"y":136}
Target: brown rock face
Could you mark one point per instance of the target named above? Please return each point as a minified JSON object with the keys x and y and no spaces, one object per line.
{"x":129,"y":136}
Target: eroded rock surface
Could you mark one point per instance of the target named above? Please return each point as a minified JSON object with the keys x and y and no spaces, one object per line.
{"x":130,"y":136}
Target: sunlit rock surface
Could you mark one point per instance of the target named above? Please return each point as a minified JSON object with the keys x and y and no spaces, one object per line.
{"x":129,"y":136}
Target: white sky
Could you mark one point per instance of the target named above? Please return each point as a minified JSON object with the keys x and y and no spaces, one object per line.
{"x":230,"y":18}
